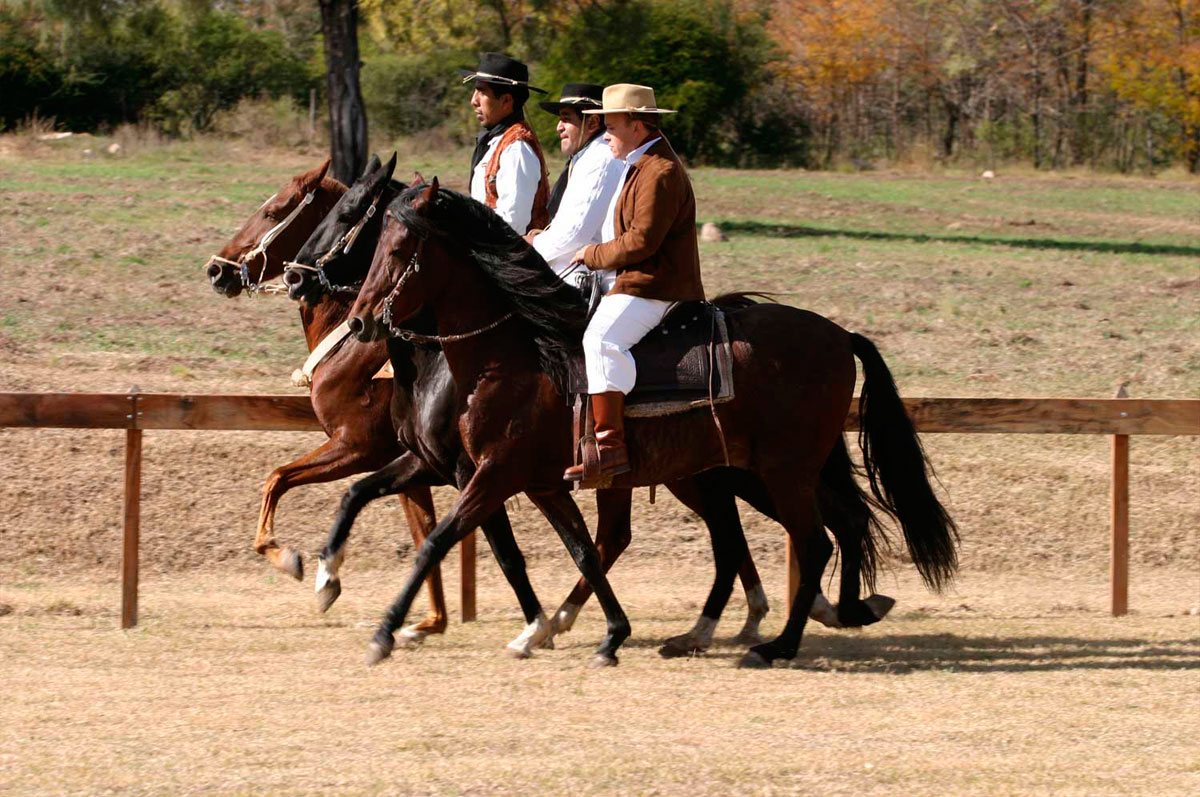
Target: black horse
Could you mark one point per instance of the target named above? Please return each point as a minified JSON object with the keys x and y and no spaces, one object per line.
{"x":424,"y":414}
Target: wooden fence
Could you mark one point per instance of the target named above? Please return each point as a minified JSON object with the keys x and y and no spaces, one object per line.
{"x":136,"y":412}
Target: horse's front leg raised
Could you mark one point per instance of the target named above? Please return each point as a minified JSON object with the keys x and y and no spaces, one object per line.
{"x":406,"y":473}
{"x":483,"y":495}
{"x":331,"y":461}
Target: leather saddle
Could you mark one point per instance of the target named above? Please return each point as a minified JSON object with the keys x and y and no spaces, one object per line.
{"x":683,"y":363}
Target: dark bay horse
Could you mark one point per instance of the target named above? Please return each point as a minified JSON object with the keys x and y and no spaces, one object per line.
{"x":508,"y":326}
{"x":351,"y":407}
{"x":425,"y":423}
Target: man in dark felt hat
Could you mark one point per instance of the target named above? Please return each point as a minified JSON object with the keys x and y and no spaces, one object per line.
{"x":508,"y":172}
{"x":588,"y":182}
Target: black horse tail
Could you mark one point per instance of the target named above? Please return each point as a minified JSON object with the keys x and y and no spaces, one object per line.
{"x":899,"y":472}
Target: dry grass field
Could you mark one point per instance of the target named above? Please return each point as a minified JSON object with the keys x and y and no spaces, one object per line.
{"x":1015,"y":682}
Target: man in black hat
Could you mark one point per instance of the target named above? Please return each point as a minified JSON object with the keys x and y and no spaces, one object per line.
{"x":508,"y":172}
{"x":586,"y":187}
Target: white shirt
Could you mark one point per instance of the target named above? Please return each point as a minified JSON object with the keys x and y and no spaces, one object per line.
{"x":608,"y":231}
{"x":595,"y":175}
{"x":516,"y":182}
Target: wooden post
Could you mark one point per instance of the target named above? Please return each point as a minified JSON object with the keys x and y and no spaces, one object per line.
{"x":793,"y":575}
{"x":1119,"y":569}
{"x":466,"y":550}
{"x":132,"y":524}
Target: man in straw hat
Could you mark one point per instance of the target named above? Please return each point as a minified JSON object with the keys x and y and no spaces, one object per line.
{"x":508,"y":172}
{"x":648,"y":256}
{"x":588,"y":181}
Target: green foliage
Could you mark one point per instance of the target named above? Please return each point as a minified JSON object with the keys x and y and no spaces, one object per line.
{"x":702,"y":59}
{"x":408,"y":93}
{"x":26,"y":72}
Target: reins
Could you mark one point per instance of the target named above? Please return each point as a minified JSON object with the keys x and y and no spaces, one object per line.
{"x":343,"y":244}
{"x":414,"y":266}
{"x":254,"y":287}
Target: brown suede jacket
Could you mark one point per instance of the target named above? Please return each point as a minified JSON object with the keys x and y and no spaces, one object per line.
{"x":654,"y":252}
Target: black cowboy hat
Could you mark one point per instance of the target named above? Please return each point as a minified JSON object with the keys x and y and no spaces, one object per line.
{"x":499,"y":70}
{"x":577,"y":96}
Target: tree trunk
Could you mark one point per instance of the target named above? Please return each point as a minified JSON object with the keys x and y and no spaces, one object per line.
{"x":347,"y":117}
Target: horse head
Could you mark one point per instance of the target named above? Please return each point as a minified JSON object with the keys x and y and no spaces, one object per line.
{"x":396,"y":286}
{"x":273,"y":233}
{"x":337,"y":254}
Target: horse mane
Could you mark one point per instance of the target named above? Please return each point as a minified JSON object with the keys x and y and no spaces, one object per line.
{"x":514,"y":269}
{"x":334,"y":186}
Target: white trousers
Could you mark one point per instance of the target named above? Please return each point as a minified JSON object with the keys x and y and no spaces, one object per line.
{"x":620,"y":322}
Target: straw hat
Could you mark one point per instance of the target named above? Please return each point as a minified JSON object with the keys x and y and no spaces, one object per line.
{"x":628,"y":98}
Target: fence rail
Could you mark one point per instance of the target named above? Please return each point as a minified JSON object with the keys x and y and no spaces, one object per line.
{"x":136,"y":412}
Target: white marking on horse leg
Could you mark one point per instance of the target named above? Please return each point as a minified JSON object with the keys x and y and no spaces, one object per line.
{"x":757,"y":608}
{"x":824,"y":612}
{"x":564,"y":618}
{"x":411,"y":636}
{"x":533,"y":636}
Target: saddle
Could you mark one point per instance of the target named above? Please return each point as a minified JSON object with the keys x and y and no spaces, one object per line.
{"x":684,"y":363}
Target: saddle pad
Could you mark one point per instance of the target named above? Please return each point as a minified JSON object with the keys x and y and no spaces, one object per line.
{"x":675,"y":362}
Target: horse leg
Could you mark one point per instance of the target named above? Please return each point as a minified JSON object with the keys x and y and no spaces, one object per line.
{"x":715,"y":503}
{"x":404,"y":473}
{"x":418,"y":509}
{"x":560,"y":509}
{"x":498,"y":531}
{"x":482,"y":496}
{"x":751,"y":489}
{"x":796,"y":504}
{"x":848,"y":515}
{"x":614,"y":516}
{"x":332,"y":460}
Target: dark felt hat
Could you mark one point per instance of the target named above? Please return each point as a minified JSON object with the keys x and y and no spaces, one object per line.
{"x":576,"y":95}
{"x":499,"y":70}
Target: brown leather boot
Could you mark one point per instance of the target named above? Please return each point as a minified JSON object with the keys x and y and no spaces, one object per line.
{"x":609,"y":412}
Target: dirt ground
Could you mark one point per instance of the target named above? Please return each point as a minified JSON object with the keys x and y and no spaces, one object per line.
{"x":233,"y":685}
{"x":1016,"y":682}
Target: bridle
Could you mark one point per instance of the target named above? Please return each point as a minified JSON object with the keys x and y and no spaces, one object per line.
{"x":414,"y":267}
{"x":253,"y":286}
{"x":341,"y":246}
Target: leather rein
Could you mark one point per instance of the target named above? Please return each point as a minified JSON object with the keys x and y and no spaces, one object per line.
{"x":253,"y":286}
{"x":341,"y":246}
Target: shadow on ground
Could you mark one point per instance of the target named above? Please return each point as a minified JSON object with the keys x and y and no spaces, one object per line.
{"x":769,"y":230}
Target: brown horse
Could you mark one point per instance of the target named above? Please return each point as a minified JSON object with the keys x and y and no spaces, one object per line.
{"x":351,"y":407}
{"x":508,"y":327}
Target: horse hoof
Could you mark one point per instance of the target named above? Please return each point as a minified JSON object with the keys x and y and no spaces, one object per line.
{"x":602,"y":660}
{"x":546,"y":644}
{"x":519,"y":653}
{"x":379,"y":649}
{"x":748,"y":637}
{"x":679,"y":646}
{"x":328,"y":594}
{"x":880,"y":605}
{"x":292,"y":563}
{"x":753,"y":660}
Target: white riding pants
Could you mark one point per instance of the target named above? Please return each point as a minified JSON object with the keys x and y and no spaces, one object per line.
{"x":620,"y":321}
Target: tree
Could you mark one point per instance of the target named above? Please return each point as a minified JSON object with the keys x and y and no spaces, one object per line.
{"x":347,"y":116}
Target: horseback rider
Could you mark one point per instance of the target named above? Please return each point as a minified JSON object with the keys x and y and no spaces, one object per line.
{"x":508,"y":172}
{"x":585,"y":188}
{"x":648,"y":258}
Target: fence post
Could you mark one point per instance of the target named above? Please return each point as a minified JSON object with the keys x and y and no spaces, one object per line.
{"x":1119,"y":567}
{"x":466,"y":551}
{"x":132,"y":524}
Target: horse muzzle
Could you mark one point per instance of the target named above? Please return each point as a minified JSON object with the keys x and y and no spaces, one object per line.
{"x":365,"y":328}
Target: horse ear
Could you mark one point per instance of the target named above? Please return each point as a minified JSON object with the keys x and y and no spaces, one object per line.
{"x":418,"y":178}
{"x":310,"y":180}
{"x":372,"y":167}
{"x":390,"y":166}
{"x":425,"y":199}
